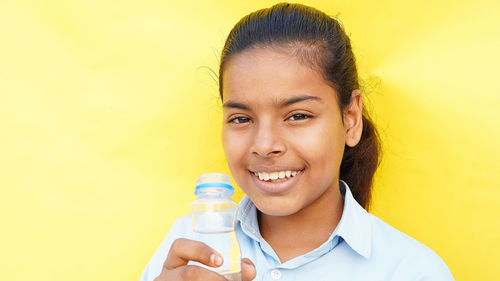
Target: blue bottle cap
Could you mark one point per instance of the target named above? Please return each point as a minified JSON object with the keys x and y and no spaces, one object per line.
{"x":214,"y":180}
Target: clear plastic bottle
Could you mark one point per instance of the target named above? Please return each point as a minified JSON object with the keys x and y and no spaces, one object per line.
{"x":214,"y":218}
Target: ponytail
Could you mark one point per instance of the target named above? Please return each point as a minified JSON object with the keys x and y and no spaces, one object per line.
{"x":360,"y":162}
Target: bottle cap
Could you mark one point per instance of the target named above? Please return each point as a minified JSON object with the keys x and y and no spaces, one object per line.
{"x":214,"y":180}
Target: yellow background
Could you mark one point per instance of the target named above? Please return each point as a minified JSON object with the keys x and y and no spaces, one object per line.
{"x":108,"y":113}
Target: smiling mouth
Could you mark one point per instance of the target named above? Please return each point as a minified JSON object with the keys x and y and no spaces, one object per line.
{"x":277,"y":176}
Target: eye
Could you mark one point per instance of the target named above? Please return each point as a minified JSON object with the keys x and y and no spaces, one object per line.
{"x":299,"y":116}
{"x":239,"y":120}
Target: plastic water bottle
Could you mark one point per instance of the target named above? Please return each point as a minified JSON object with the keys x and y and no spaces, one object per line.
{"x":214,"y":218}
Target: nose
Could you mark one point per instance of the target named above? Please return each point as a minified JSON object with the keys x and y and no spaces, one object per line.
{"x":267,"y":142}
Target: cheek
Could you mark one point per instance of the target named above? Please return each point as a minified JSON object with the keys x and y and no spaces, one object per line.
{"x":322,"y":146}
{"x":233,"y":147}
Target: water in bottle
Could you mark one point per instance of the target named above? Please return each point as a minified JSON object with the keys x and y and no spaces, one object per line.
{"x":214,"y":217}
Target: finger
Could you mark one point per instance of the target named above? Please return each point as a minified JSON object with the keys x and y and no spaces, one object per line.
{"x":184,"y":250}
{"x":248,"y":271}
{"x":193,"y":273}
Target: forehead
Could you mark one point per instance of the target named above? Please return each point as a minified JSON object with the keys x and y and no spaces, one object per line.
{"x":273,"y":75}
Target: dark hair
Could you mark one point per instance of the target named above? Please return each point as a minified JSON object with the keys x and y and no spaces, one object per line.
{"x":320,"y":42}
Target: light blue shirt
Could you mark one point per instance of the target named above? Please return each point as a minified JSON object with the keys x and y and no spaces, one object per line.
{"x":362,"y":247}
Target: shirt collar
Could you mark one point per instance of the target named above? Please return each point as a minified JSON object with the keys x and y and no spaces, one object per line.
{"x":247,"y":216}
{"x":354,"y":226}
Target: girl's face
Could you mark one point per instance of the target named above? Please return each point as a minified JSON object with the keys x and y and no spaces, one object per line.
{"x":283,"y":134}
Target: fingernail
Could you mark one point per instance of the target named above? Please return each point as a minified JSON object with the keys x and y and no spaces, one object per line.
{"x":216,"y":259}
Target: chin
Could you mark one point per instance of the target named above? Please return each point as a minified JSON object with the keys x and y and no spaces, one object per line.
{"x":276,"y":213}
{"x":279,"y":207}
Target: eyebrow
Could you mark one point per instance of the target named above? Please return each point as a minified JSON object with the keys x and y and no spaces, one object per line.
{"x":284,"y":103}
{"x":238,"y":105}
{"x":298,"y":99}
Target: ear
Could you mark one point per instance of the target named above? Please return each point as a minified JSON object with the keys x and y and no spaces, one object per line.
{"x":353,"y":119}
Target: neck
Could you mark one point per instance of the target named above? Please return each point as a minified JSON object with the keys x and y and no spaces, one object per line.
{"x":297,"y":234}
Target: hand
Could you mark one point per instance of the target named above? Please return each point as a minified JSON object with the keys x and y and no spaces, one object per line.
{"x":184,"y":250}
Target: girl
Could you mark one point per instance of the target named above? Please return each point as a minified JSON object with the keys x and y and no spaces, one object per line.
{"x":303,"y":149}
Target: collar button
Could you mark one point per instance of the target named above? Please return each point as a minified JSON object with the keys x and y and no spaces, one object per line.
{"x":276,"y":274}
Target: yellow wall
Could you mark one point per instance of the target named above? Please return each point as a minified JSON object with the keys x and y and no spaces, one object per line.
{"x":108,"y":115}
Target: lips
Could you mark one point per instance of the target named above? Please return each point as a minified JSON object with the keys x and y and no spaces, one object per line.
{"x":276,"y":182}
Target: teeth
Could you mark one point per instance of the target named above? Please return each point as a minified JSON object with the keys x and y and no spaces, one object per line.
{"x":275,"y":175}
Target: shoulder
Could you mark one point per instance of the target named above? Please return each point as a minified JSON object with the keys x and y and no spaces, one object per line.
{"x":181,"y":228}
{"x":182,"y":224}
{"x":389,"y":238}
{"x":410,"y":257}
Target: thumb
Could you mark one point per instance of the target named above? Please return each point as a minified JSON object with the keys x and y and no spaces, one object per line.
{"x":248,"y":271}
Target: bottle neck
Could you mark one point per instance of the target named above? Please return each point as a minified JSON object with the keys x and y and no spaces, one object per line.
{"x":214,"y":193}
